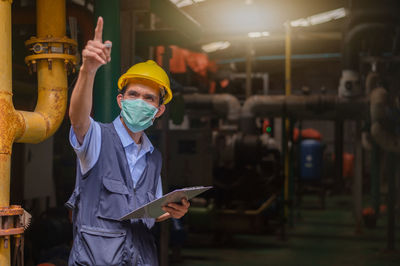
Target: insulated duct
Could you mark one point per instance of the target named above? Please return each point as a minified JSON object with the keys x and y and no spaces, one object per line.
{"x":370,"y":25}
{"x":317,"y":107}
{"x":225,"y":105}
{"x":350,"y":82}
{"x":352,"y":39}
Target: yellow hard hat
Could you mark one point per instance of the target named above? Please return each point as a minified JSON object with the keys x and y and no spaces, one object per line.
{"x":151,"y":71}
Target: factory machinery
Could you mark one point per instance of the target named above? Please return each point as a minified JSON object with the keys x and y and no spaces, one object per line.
{"x":224,"y":145}
{"x":222,"y":141}
{"x":226,"y":148}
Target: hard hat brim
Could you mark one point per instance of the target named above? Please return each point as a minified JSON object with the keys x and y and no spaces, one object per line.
{"x":124,"y":79}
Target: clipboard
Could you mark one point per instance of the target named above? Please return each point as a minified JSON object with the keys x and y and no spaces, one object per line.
{"x":153,"y":208}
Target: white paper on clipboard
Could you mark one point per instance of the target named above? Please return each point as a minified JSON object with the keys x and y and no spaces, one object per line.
{"x":153,"y":208}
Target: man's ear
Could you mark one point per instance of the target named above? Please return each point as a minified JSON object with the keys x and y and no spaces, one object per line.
{"x":119,"y":99}
{"x":161,"y":110}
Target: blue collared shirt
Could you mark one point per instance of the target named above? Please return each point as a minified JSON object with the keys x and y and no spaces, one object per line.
{"x":88,"y":153}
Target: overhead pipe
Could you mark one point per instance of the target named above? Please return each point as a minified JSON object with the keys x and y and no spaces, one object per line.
{"x":324,"y":56}
{"x":223,"y":104}
{"x":374,"y":11}
{"x":52,"y":54}
{"x":349,"y":82}
{"x":316,"y":107}
{"x":352,"y":38}
{"x":363,"y":23}
{"x":364,"y":20}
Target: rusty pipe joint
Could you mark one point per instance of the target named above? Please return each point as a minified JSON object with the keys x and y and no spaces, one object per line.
{"x":11,"y":222}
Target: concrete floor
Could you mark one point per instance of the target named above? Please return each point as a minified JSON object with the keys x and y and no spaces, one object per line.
{"x":320,"y":237}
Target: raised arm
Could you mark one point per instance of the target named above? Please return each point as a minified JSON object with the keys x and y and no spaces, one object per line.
{"x":95,"y":54}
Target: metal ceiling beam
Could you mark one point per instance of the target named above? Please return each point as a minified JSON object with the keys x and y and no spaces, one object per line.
{"x":274,"y":37}
{"x":176,"y":18}
{"x":147,"y":38}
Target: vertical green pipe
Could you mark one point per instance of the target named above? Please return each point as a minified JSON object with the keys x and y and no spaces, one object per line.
{"x":165,"y":234}
{"x":105,"y":86}
{"x":391,"y":199}
{"x":339,"y":150}
{"x":375,"y":177}
{"x":284,"y":151}
{"x":283,"y":210}
{"x":358,"y":179}
{"x":299,"y":187}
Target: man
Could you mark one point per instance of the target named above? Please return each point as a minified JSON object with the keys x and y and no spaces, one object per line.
{"x":118,"y":169}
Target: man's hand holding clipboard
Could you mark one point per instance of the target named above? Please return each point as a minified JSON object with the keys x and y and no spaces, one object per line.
{"x":168,"y":205}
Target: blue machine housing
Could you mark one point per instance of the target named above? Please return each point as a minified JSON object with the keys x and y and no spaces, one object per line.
{"x":311,"y":160}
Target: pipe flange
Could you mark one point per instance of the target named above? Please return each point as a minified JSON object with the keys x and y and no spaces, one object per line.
{"x":11,"y":222}
{"x":51,"y":49}
{"x":49,"y":39}
{"x":11,"y":211}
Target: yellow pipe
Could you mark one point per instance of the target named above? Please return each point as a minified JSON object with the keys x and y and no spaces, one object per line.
{"x":50,"y":18}
{"x":5,"y":162}
{"x":288,"y":54}
{"x":52,"y":83}
{"x":7,"y":115}
{"x":7,"y":112}
{"x":29,"y":127}
{"x":288,"y":91}
{"x":51,"y":104}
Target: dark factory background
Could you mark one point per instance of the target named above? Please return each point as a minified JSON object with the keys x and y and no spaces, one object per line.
{"x":290,"y":109}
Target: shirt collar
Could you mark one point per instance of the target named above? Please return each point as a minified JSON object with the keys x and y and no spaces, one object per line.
{"x":127,"y":140}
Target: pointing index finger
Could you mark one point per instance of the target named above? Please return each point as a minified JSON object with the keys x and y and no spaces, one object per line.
{"x":98,"y":32}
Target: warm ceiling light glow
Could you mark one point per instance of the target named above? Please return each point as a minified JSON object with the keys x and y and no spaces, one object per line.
{"x":319,"y":18}
{"x":215,"y":46}
{"x":254,"y":34}
{"x":258,"y":34}
{"x":182,"y":3}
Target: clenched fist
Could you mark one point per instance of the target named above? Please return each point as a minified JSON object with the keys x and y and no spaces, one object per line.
{"x":96,"y":53}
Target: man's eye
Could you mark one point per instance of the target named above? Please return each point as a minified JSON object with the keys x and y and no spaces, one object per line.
{"x":132,"y":95}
